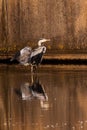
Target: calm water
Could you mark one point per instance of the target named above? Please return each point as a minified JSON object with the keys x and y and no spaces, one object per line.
{"x":46,"y":101}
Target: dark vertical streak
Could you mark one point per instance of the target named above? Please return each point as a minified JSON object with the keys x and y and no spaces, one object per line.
{"x":69,"y":21}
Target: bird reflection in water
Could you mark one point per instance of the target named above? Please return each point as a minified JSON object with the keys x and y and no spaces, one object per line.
{"x":33,"y":90}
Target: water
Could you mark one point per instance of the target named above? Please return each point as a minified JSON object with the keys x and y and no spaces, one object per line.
{"x":43,"y":101}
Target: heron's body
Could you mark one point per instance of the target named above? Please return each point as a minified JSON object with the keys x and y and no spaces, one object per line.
{"x":28,"y":56}
{"x":36,"y":55}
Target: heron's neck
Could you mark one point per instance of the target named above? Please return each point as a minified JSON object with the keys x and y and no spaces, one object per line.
{"x":39,"y":43}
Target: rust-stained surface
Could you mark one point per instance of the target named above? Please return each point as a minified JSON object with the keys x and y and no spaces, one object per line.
{"x":23,"y":22}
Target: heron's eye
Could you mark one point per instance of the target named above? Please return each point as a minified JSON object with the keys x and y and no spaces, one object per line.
{"x":44,"y":50}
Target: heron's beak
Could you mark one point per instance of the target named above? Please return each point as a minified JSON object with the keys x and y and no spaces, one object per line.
{"x":48,"y":40}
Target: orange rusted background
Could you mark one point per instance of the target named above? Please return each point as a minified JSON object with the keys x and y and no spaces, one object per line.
{"x":23,"y":22}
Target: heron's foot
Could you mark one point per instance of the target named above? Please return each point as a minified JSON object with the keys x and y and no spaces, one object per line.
{"x":33,"y":69}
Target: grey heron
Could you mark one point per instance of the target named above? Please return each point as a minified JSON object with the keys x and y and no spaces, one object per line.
{"x":29,"y":56}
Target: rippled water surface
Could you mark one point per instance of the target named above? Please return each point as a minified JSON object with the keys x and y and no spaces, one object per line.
{"x":43,"y":101}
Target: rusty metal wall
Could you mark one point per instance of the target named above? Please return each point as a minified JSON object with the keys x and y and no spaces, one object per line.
{"x":23,"y":22}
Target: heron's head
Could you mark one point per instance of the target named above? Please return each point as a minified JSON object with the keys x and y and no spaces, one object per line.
{"x":42,"y":41}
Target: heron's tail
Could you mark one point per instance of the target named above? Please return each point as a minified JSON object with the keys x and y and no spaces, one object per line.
{"x":13,"y":58}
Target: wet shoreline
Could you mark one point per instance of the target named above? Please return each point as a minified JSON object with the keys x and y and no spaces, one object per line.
{"x":43,"y":68}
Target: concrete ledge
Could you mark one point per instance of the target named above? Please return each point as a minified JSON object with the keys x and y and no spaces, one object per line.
{"x":66,"y":56}
{"x":55,"y":55}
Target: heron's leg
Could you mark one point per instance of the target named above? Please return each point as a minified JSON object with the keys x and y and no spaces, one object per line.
{"x":32,"y":78}
{"x":34,"y":68}
{"x":31,"y":68}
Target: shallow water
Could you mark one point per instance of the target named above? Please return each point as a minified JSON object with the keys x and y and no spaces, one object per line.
{"x":59,"y":103}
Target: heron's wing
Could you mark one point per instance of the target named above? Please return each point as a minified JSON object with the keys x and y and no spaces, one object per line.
{"x":25,"y":54}
{"x":26,"y":51}
{"x":36,"y":51}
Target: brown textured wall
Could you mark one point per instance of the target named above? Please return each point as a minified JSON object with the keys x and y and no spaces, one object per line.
{"x":23,"y":22}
